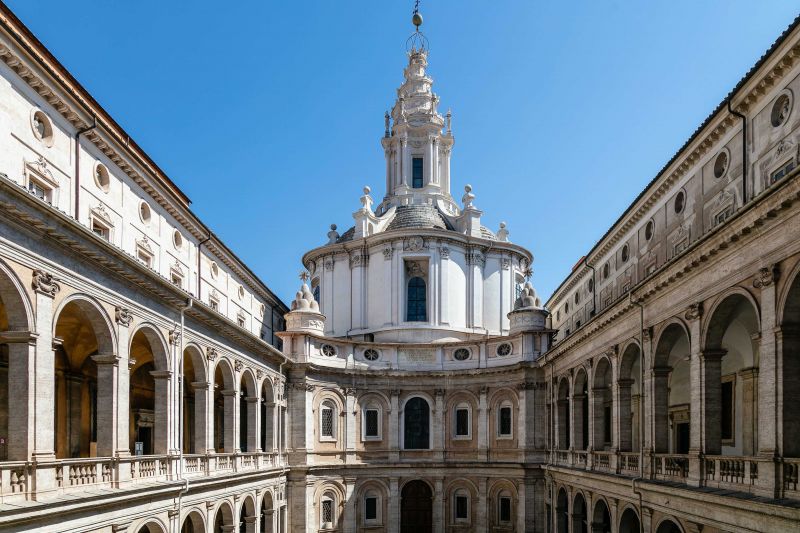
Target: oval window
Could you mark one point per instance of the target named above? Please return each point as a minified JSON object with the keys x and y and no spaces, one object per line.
{"x":780,"y":110}
{"x":649,"y":229}
{"x":370,"y":354}
{"x":721,"y":164}
{"x":328,"y":350}
{"x":504,"y":349}
{"x":625,"y":253}
{"x":462,"y":354}
{"x":680,"y":201}
{"x":144,"y":212}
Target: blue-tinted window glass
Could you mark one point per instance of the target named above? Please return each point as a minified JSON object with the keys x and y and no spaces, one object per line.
{"x":417,"y":304}
{"x":416,"y":173}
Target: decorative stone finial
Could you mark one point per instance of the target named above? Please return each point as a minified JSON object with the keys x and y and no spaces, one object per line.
{"x":304,"y":314}
{"x":333,"y":235}
{"x":386,"y":119}
{"x":528,"y":313}
{"x":502,"y":233}
{"x":468,"y":197}
{"x":448,"y":122}
{"x":366,"y":200}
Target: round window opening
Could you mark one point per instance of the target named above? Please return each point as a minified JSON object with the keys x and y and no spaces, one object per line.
{"x":177,"y":239}
{"x":781,"y":110}
{"x":462,"y":354}
{"x":648,"y":230}
{"x":504,"y":349}
{"x":680,"y":202}
{"x":625,"y":253}
{"x":144,"y":212}
{"x":329,"y":351}
{"x":101,"y":178}
{"x":370,"y":354}
{"x":42,"y":128}
{"x":721,"y":165}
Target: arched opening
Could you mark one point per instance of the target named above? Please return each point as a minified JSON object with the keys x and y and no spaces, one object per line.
{"x":602,"y":406}
{"x":195,"y":394}
{"x":416,"y":423}
{"x":15,"y":360}
{"x":417,"y":301}
{"x":580,"y":410}
{"x":671,"y":385}
{"x":580,"y":516}
{"x":248,"y":413}
{"x":730,"y":375}
{"x":247,"y":516}
{"x":562,"y":512}
{"x":601,"y":518}
{"x":416,"y":508}
{"x":149,"y":392}
{"x":629,"y":523}
{"x":151,"y":527}
{"x":790,"y":363}
{"x":223,"y":519}
{"x":267,"y":514}
{"x":193,"y":523}
{"x":224,"y":404}
{"x":562,"y":411}
{"x":82,"y":335}
{"x":668,"y":526}
{"x":267,"y":413}
{"x":630,"y":394}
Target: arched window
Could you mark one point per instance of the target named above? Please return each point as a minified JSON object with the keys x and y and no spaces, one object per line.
{"x":417,"y":305}
{"x":372,"y":508}
{"x":327,"y":421}
{"x":416,"y":419}
{"x":327,"y":510}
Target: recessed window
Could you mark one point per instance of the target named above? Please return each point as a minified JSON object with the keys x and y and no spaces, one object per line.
{"x":327,"y":424}
{"x":214,"y":270}
{"x":102,"y":178}
{"x":462,"y":421}
{"x":371,"y":354}
{"x":328,"y":350}
{"x":144,"y":212}
{"x":372,"y":424}
{"x":577,"y":298}
{"x":177,"y":239}
{"x":728,"y":410}
{"x":566,"y":307}
{"x":649,"y":229}
{"x":782,"y":171}
{"x":461,"y":354}
{"x":417,"y":305}
{"x":144,"y":256}
{"x":504,"y":349}
{"x":461,"y":506}
{"x":504,"y":510}
{"x":42,"y":127}
{"x":416,"y":172}
{"x":416,"y":424}
{"x":176,"y":278}
{"x":40,"y":190}
{"x":781,"y":109}
{"x":370,"y":507}
{"x":626,"y":252}
{"x":606,"y":271}
{"x":721,"y":164}
{"x":680,"y":202}
{"x":213,"y":303}
{"x":100,"y":229}
{"x":240,"y":321}
{"x":326,"y":514}
{"x":504,"y":426}
{"x":241,"y":292}
{"x":590,"y":286}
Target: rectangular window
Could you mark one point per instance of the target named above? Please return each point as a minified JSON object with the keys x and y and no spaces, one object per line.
{"x":723,"y":215}
{"x":462,"y":506}
{"x":177,"y":279}
{"x":462,"y":422}
{"x":607,"y":424}
{"x":370,"y":508}
{"x":213,"y":304}
{"x":783,"y":171}
{"x":327,"y":422}
{"x":327,"y":512}
{"x":505,"y":422}
{"x":39,"y":190}
{"x":100,"y":229}
{"x":240,"y":322}
{"x":143,"y":256}
{"x":416,"y":173}
{"x":728,"y":409}
{"x":371,"y":424}
{"x":505,"y":509}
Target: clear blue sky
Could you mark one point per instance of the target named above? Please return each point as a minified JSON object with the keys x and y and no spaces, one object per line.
{"x":269,"y":114}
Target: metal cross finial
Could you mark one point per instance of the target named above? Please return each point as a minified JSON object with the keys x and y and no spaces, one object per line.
{"x":416,"y":7}
{"x":528,"y":272}
{"x":304,"y":276}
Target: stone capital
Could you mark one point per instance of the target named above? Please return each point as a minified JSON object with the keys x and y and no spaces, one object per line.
{"x":766,"y":276}
{"x":711,"y":355}
{"x":694,"y":311}
{"x":18,"y":337}
{"x":161,"y":374}
{"x":106,"y":359}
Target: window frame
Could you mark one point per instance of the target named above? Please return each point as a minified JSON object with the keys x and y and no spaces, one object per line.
{"x":414,"y":161}
{"x":327,"y":497}
{"x":729,"y":379}
{"x":416,"y":318}
{"x":364,"y":436}
{"x":458,"y":494}
{"x":327,"y":405}
{"x":500,"y":435}
{"x":378,"y":519}
{"x":463,"y":406}
{"x":505,"y":496}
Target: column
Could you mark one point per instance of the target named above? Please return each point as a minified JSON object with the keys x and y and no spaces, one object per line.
{"x":429,"y":168}
{"x":522,"y":419}
{"x":393,"y":520}
{"x":438,"y":502}
{"x":576,"y":425}
{"x":437,"y":426}
{"x":210,"y":445}
{"x":483,"y":424}
{"x":405,"y":158}
{"x":350,"y":504}
{"x":201,"y":427}
{"x":695,"y":395}
{"x":253,"y":416}
{"x":350,"y":423}
{"x":125,"y":363}
{"x":107,"y":398}
{"x":623,"y":414}
{"x":45,"y":289}
{"x":21,"y":380}
{"x":482,"y":516}
{"x":769,"y":380}
{"x":250,"y":525}
{"x":394,"y":426}
{"x":230,"y":408}
{"x":750,"y":421}
{"x":161,"y":433}
{"x":659,"y":379}
{"x":712,"y":404}
{"x":598,"y":417}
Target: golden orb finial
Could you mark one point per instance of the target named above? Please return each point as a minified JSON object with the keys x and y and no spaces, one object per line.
{"x":416,"y":19}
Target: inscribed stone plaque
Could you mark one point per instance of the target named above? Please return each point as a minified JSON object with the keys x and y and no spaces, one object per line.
{"x":417,"y":356}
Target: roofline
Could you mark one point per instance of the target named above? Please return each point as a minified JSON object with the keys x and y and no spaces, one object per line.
{"x":721,"y":106}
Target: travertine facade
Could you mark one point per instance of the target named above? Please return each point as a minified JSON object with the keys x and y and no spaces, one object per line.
{"x":149,"y":383}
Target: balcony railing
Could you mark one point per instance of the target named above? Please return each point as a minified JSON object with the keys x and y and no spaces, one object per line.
{"x":18,"y":479}
{"x":671,"y":467}
{"x":724,"y":471}
{"x":629,"y":463}
{"x":603,"y":461}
